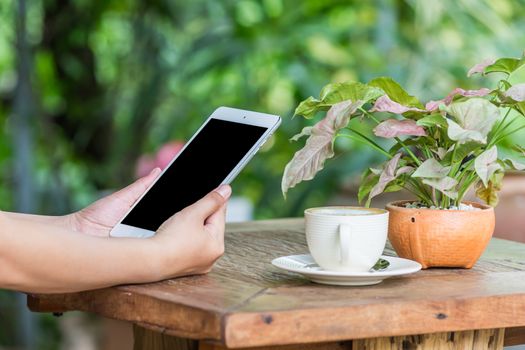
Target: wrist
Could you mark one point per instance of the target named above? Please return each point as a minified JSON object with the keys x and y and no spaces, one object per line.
{"x":72,"y":222}
{"x":150,"y":260}
{"x":157,"y":257}
{"x":167,"y":258}
{"x":142,"y":262}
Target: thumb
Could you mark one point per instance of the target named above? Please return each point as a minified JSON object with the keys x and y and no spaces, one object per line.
{"x":210,"y":203}
{"x":132,"y":192}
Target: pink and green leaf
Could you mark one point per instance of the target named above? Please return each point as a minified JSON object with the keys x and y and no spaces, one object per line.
{"x":444,"y":185}
{"x":513,"y":164}
{"x":473,"y":120}
{"x":505,"y":65}
{"x":486,"y":164}
{"x":432,"y":106}
{"x":307,"y":131}
{"x":431,"y":168}
{"x":516,"y":93}
{"x":388,"y":174}
{"x":385,"y":104}
{"x":433,"y":120}
{"x":319,"y":146}
{"x":391,"y":128}
{"x":489,"y":193}
{"x":480,"y":67}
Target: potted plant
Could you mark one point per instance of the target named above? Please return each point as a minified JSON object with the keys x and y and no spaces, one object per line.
{"x":440,"y":150}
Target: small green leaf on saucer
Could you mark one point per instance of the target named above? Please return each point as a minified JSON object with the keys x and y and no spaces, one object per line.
{"x":381,"y":264}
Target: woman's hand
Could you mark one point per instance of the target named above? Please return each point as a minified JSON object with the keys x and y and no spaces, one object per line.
{"x":100,"y":217}
{"x":47,"y":257}
{"x":193,"y":239}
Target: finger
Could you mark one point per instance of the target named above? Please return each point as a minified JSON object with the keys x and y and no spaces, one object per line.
{"x":132,"y":192}
{"x":211,"y":203}
{"x":218,"y":215}
{"x":215,"y":223}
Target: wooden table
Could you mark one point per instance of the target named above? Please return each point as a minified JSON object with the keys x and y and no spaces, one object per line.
{"x":246,"y":302}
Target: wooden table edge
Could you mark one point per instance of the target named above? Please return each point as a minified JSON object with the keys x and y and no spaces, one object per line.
{"x":227,"y":333}
{"x":198,"y":323}
{"x":270,"y":324}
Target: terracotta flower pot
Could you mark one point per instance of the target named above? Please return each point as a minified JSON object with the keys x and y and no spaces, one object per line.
{"x":440,"y":238}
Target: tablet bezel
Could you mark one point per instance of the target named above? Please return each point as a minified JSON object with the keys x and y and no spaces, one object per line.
{"x":269,"y":121}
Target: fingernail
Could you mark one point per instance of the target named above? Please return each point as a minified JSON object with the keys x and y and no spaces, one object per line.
{"x":155,"y":171}
{"x":224,"y":190}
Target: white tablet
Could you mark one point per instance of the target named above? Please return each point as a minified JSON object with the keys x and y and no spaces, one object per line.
{"x":214,"y":155}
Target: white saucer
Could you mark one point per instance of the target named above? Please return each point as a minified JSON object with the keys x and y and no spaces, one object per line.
{"x":306,"y":266}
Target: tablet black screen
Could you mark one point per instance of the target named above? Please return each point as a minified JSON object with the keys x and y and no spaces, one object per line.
{"x":200,"y":168}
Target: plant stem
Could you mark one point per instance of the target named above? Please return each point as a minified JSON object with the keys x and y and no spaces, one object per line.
{"x":424,"y":194}
{"x":367,"y":141}
{"x":502,"y":121}
{"x":508,"y":134}
{"x":454,"y":154}
{"x":405,"y":147}
{"x":417,"y":192}
{"x":496,"y":137}
{"x":469,"y":174}
{"x":371,"y":116}
{"x":468,"y":183}
{"x":413,"y":191}
{"x":428,"y":153}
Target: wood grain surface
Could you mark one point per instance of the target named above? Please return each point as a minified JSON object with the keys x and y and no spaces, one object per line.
{"x":488,"y":339}
{"x":247,"y":302}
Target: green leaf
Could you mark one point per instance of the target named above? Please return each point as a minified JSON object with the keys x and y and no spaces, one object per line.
{"x":489,"y":193}
{"x":463,"y":150}
{"x":521,"y":107}
{"x":513,"y":164}
{"x":408,"y":142}
{"x":519,"y":149}
{"x":395,"y":92}
{"x":307,"y":131}
{"x":394,"y":187}
{"x":505,"y":84}
{"x":366,"y":186}
{"x":505,"y":65}
{"x":381,"y":264}
{"x":337,"y":92}
{"x":309,"y":107}
{"x":433,"y":120}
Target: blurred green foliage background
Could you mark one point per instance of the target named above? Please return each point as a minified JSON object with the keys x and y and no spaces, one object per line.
{"x":86,"y":87}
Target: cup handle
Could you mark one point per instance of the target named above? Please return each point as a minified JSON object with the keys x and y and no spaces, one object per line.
{"x":344,"y":242}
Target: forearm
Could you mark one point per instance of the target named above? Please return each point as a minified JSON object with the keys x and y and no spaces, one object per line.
{"x":41,"y":258}
{"x":64,"y":221}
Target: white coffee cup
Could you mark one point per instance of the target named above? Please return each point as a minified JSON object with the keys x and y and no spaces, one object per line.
{"x":344,"y":238}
